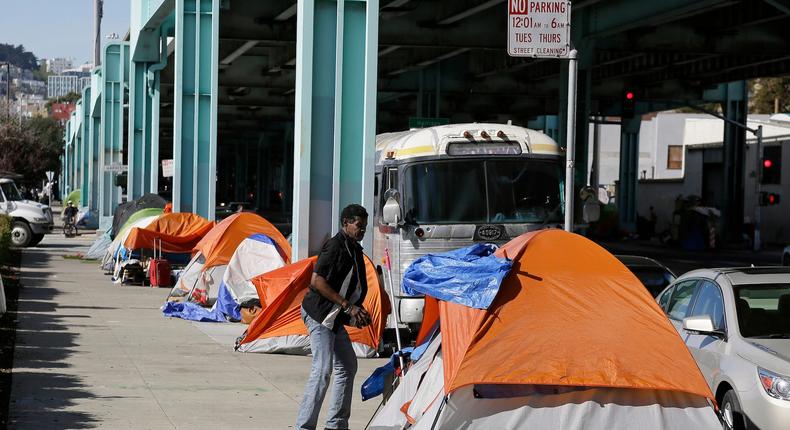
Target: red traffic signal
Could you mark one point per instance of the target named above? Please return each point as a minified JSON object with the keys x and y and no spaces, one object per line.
{"x":629,"y":95}
{"x":767,"y":163}
{"x":769,"y":199}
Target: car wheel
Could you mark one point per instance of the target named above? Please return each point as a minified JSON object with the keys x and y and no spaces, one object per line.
{"x":37,"y":238}
{"x":21,"y":234}
{"x":731,"y":412}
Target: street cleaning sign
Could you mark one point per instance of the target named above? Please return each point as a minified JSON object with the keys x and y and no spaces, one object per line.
{"x":116,"y":168}
{"x":539,"y":29}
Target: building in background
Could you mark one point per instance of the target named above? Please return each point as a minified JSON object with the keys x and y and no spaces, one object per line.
{"x":701,"y":172}
{"x":59,"y":86}
{"x":62,"y":111}
{"x":56,"y":66}
{"x":30,"y":105}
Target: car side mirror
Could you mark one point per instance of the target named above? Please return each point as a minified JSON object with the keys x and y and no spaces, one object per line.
{"x":702,"y":324}
{"x":390,"y":215}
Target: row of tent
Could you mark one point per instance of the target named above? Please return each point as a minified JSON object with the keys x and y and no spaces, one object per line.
{"x":555,"y":332}
{"x":242,"y":257}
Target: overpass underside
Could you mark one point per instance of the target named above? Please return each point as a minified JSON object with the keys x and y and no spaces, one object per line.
{"x":278,"y":103}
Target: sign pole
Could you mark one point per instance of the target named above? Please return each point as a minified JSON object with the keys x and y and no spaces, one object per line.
{"x":758,"y":179}
{"x":570,"y":147}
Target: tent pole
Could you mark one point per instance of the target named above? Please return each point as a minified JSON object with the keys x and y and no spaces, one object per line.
{"x":395,"y":311}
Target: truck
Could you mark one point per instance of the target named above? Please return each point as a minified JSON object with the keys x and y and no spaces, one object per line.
{"x":31,"y":220}
{"x":446,"y":187}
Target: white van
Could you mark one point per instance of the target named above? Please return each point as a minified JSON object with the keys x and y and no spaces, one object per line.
{"x":31,"y":220}
{"x":447,"y":187}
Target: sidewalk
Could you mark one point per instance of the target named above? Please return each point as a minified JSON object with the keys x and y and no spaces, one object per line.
{"x":93,"y":354}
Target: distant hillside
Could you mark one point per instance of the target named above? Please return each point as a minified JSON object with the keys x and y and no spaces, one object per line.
{"x":18,"y":56}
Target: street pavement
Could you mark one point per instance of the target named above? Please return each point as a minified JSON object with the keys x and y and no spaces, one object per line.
{"x":92,"y":354}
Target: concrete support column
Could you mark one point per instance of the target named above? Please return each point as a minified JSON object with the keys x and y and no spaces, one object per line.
{"x":334,"y":141}
{"x":629,"y":170}
{"x":85,"y":131}
{"x":735,"y":108}
{"x":195,"y":116}
{"x":115,"y":77}
{"x":93,"y":156}
{"x":140,"y":107}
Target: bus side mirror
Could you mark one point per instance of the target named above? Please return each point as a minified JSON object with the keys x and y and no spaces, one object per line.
{"x":390,"y":215}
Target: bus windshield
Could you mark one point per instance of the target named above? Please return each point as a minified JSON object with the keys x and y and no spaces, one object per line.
{"x":500,"y":190}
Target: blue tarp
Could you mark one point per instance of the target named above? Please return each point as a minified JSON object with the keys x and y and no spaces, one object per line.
{"x":223,"y":310}
{"x":468,"y":276}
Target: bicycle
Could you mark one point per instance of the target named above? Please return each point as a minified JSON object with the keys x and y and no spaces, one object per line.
{"x":69,"y":228}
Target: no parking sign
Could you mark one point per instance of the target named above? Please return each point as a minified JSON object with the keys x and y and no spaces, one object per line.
{"x":539,"y":29}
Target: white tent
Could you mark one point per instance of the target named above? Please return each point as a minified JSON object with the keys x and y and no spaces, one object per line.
{"x":255,"y":255}
{"x":112,"y":256}
{"x":420,"y":403}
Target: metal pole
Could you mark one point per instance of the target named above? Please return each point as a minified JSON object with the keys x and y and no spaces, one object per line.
{"x":758,"y":177}
{"x":594,"y":175}
{"x":97,"y":16}
{"x":570,"y":147}
{"x":388,"y":263}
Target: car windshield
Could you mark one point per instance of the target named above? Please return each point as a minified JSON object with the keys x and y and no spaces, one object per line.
{"x":763,"y":310}
{"x":484,"y":191}
{"x":654,"y":279}
{"x":10,"y":191}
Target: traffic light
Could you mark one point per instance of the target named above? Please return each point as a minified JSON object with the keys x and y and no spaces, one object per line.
{"x":771,"y":165}
{"x":628,"y":103}
{"x":769,"y":199}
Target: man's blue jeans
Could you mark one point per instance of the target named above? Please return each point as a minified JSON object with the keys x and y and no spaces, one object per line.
{"x":332,"y":354}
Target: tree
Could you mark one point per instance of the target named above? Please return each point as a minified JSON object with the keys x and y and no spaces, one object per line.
{"x":768,"y":94}
{"x":30,"y":146}
{"x":18,"y":56}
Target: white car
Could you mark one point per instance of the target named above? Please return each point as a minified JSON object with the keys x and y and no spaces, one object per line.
{"x":736,"y":323}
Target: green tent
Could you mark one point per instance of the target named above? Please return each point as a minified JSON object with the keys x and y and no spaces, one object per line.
{"x":75,"y":197}
{"x":142,"y":213}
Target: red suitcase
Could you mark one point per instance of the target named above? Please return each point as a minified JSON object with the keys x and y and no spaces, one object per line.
{"x":159,"y":268}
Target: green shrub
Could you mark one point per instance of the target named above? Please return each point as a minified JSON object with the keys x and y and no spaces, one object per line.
{"x":5,"y":237}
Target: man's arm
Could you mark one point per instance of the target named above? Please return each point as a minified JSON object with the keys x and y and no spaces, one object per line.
{"x":321,"y":286}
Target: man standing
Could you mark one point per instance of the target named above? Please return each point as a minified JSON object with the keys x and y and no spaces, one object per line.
{"x":337,"y":290}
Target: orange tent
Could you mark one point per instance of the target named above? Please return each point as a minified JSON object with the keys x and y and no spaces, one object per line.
{"x":200,"y":280}
{"x":572,"y":339}
{"x":579,"y":318}
{"x":280,"y":329}
{"x":179,"y":233}
{"x":219,"y":244}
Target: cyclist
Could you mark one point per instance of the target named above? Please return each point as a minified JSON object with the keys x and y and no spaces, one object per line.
{"x":70,"y":214}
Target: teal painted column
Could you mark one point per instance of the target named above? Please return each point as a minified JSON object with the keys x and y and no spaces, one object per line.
{"x":86,"y":143}
{"x":139,"y":131}
{"x":77,"y":144}
{"x":114,"y":77}
{"x":94,"y":124}
{"x":336,"y":59}
{"x":629,"y":171}
{"x":195,"y":107}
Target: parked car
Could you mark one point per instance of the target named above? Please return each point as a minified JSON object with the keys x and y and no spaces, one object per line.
{"x":736,"y":323}
{"x":786,"y":256}
{"x":654,"y":275}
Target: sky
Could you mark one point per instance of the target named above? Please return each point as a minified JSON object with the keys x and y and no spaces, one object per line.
{"x":60,"y":28}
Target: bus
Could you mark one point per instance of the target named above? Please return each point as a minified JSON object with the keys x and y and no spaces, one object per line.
{"x":446,"y":187}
